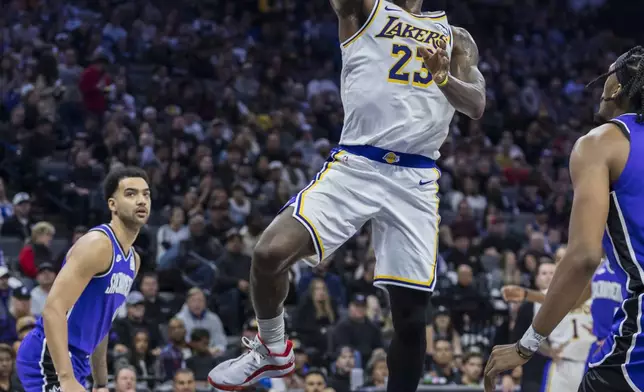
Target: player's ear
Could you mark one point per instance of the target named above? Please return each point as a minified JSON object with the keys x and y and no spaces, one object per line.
{"x":617,"y":92}
{"x":111,"y":204}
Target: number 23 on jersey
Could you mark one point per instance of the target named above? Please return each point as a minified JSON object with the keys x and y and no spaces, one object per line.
{"x":399,"y":74}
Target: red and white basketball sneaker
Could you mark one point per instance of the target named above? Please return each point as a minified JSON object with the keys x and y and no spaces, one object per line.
{"x":257,"y":364}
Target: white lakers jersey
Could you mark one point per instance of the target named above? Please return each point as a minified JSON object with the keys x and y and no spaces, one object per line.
{"x":390,"y":100}
{"x":574,"y":334}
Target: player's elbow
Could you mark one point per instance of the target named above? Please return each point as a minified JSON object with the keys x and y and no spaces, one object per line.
{"x":585,"y":259}
{"x":479,"y":108}
{"x":52,"y":312}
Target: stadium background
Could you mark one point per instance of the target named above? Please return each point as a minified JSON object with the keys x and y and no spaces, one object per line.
{"x":231,"y":107}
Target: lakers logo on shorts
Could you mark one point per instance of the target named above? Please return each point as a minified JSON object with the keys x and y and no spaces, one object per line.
{"x":391,"y":158}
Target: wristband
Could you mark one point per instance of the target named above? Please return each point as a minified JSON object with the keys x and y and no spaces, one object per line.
{"x":100,"y":386}
{"x":444,"y":82}
{"x":531,"y":340}
{"x":523,"y":352}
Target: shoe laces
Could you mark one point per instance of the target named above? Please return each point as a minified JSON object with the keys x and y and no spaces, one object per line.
{"x":253,"y":346}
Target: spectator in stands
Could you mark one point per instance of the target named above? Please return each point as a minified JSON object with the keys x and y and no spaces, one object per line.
{"x":377,"y":370}
{"x":472,"y":370}
{"x":7,"y":321}
{"x":357,"y":331}
{"x":20,"y":302}
{"x":45,"y":279}
{"x":93,"y":84}
{"x":38,"y":250}
{"x":334,"y":285}
{"x":251,"y":231}
{"x":123,"y":330}
{"x":345,"y":362}
{"x":19,"y":225}
{"x":157,"y":310}
{"x":8,"y":380}
{"x":315,"y":381}
{"x":442,"y":368}
{"x":467,"y":299}
{"x":195,"y":315}
{"x":125,"y":379}
{"x":24,"y":325}
{"x":6,"y":208}
{"x":233,"y":282}
{"x":184,"y":381}
{"x":172,"y":233}
{"x":202,"y":361}
{"x":197,"y":252}
{"x":141,"y":358}
{"x":177,"y":351}
{"x":315,"y":315}
{"x":442,"y":328}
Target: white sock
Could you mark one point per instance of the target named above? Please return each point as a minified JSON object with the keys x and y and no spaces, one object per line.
{"x":272,"y":333}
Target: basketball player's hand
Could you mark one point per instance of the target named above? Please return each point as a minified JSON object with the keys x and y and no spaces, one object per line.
{"x":72,"y":385}
{"x":436,"y":62}
{"x":512,"y":293}
{"x":503,"y":358}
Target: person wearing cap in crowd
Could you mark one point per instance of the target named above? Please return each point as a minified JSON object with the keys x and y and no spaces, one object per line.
{"x":123,"y":330}
{"x":45,"y":279}
{"x":194,"y":314}
{"x":233,"y":282}
{"x":357,"y":331}
{"x":19,"y":225}
{"x":38,"y":250}
{"x":7,"y":322}
{"x":20,"y":302}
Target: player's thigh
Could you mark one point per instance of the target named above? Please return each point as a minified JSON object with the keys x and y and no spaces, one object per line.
{"x":405,"y":236}
{"x":34,"y":365}
{"x":342,"y":197}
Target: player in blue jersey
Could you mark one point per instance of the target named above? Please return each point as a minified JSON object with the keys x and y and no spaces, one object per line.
{"x":70,"y":339}
{"x":606,"y":168}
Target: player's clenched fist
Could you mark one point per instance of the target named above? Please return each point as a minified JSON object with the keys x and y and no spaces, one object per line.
{"x":437,"y":62}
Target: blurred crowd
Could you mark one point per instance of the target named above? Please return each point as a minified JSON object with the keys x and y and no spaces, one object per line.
{"x":231,"y":108}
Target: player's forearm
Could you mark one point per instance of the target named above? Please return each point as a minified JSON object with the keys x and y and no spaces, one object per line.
{"x":99,"y":364}
{"x":568,"y":284}
{"x":55,"y":324}
{"x":534,"y":296}
{"x":467,"y":98}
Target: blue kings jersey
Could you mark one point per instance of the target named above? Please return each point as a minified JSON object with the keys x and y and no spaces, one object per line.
{"x":90,"y":319}
{"x":606,"y":289}
{"x":624,"y":246}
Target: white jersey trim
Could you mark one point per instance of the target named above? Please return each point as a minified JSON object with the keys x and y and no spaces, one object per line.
{"x":364,"y":27}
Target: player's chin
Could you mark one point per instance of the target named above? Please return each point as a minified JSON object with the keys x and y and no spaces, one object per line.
{"x":141,"y":217}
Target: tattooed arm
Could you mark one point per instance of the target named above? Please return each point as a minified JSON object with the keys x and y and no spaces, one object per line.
{"x":465,"y":89}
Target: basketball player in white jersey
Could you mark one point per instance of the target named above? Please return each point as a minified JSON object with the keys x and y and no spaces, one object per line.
{"x":404,"y":75}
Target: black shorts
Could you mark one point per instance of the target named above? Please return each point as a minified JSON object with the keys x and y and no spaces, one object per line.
{"x":604,"y":379}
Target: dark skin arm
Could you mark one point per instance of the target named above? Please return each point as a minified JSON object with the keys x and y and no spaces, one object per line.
{"x":596,"y":161}
{"x":352,"y":14}
{"x":465,"y":89}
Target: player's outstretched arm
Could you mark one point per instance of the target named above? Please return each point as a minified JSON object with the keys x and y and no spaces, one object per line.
{"x":518,"y":294}
{"x":459,"y":78}
{"x":590,"y":163}
{"x":89,"y":256}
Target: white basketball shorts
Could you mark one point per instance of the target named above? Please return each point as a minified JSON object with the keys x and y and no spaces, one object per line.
{"x":397,"y":192}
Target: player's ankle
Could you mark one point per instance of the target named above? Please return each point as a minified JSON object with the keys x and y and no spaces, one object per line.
{"x":272,"y":332}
